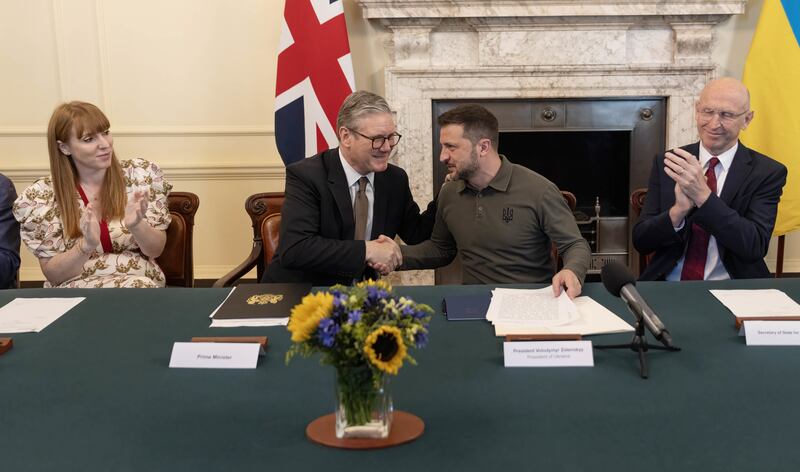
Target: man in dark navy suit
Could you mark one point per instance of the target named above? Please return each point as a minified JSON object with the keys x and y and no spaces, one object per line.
{"x":711,"y":205}
{"x":344,"y":205}
{"x":9,"y":235}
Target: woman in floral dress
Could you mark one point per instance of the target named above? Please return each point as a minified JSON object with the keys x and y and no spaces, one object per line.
{"x":95,"y":221}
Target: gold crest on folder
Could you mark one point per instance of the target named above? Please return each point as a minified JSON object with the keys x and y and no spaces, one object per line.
{"x":264,"y":299}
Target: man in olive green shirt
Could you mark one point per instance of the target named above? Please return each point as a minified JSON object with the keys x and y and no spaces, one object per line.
{"x":502,"y":217}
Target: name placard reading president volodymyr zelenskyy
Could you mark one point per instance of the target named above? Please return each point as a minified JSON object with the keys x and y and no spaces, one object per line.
{"x":548,"y":354}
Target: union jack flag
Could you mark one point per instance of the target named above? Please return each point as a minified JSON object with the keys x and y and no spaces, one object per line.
{"x":315,"y":75}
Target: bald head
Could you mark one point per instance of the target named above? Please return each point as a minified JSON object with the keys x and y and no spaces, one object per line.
{"x":722,"y":112}
{"x":730,"y":88}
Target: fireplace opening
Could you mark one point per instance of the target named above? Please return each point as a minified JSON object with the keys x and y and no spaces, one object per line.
{"x":593,"y":165}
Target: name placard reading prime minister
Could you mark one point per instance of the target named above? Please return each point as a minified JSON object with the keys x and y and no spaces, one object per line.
{"x":548,"y":354}
{"x":215,"y":355}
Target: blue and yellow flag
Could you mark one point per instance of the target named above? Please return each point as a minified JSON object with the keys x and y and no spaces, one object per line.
{"x":772,"y":73}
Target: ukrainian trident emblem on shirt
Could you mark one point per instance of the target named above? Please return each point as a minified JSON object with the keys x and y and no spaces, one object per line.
{"x":508,"y":214}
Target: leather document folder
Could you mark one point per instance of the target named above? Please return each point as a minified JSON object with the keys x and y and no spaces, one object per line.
{"x":261,"y":301}
{"x":466,"y":307}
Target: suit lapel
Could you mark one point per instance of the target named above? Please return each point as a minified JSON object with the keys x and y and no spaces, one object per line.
{"x":379,"y":205}
{"x":740,"y":169}
{"x":337,"y":184}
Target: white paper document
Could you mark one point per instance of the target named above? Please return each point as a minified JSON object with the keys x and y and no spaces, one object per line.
{"x":531,"y":307}
{"x":235,"y":323}
{"x":525,"y":311}
{"x":757,"y":303}
{"x":31,"y":315}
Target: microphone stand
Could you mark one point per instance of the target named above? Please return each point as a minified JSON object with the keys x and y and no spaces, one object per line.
{"x":639,"y":344}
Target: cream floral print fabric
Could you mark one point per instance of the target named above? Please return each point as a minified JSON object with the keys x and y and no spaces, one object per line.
{"x":126,"y":266}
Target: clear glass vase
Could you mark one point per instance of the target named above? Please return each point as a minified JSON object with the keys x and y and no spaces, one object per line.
{"x":363,"y":403}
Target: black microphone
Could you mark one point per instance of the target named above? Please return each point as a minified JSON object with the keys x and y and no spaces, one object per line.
{"x":620,"y":282}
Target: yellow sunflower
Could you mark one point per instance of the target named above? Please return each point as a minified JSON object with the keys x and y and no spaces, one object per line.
{"x":385,"y":348}
{"x":306,"y":316}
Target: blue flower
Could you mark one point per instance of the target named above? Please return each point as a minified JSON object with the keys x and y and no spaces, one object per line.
{"x":339,"y":304}
{"x":326,"y":332}
{"x":374,"y":295}
{"x":354,"y":316}
{"x":420,"y":338}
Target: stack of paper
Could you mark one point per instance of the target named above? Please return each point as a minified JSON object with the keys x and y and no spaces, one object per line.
{"x":532,"y":308}
{"x":767,"y":303}
{"x":26,"y":315}
{"x":521,"y":311}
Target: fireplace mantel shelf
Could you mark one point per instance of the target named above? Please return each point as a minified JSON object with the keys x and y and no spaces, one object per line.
{"x":508,"y":71}
{"x":404,"y":9}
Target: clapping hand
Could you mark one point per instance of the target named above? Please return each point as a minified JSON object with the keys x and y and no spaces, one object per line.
{"x":687,"y":172}
{"x":383,"y":254}
{"x":691,"y":188}
{"x":90,"y":227}
{"x":135,"y":209}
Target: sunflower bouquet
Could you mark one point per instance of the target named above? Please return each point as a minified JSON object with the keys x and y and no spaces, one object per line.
{"x":365,"y":332}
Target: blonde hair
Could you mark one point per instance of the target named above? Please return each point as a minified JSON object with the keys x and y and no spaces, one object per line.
{"x":81,"y":118}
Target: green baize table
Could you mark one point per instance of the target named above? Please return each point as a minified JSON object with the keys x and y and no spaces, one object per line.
{"x":93,"y":392}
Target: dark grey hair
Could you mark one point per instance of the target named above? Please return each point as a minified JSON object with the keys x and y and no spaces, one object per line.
{"x":358,"y":104}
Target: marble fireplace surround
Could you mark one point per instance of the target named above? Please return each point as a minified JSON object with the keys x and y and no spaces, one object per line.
{"x":504,"y":49}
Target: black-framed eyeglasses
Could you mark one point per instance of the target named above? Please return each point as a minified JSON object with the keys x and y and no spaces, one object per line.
{"x":378,"y":141}
{"x":724,"y":116}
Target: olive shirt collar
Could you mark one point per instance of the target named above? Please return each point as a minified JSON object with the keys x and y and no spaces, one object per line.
{"x":500,"y":182}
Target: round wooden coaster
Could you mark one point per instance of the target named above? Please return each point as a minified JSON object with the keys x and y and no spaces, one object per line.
{"x":405,"y":428}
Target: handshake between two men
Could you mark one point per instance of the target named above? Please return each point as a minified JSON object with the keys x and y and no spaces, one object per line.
{"x":383,"y":255}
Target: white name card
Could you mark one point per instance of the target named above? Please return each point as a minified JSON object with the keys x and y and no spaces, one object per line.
{"x":772,"y":333}
{"x":548,"y":354}
{"x":215,"y":355}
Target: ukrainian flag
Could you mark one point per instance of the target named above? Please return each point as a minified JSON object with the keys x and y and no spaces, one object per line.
{"x":772,"y":73}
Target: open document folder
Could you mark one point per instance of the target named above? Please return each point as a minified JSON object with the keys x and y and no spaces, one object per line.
{"x":527,"y":311}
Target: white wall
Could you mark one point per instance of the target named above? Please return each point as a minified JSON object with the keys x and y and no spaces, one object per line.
{"x":188,"y":84}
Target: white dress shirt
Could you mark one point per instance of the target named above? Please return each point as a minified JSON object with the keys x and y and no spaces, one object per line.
{"x":714,"y":269}
{"x":352,"y":184}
